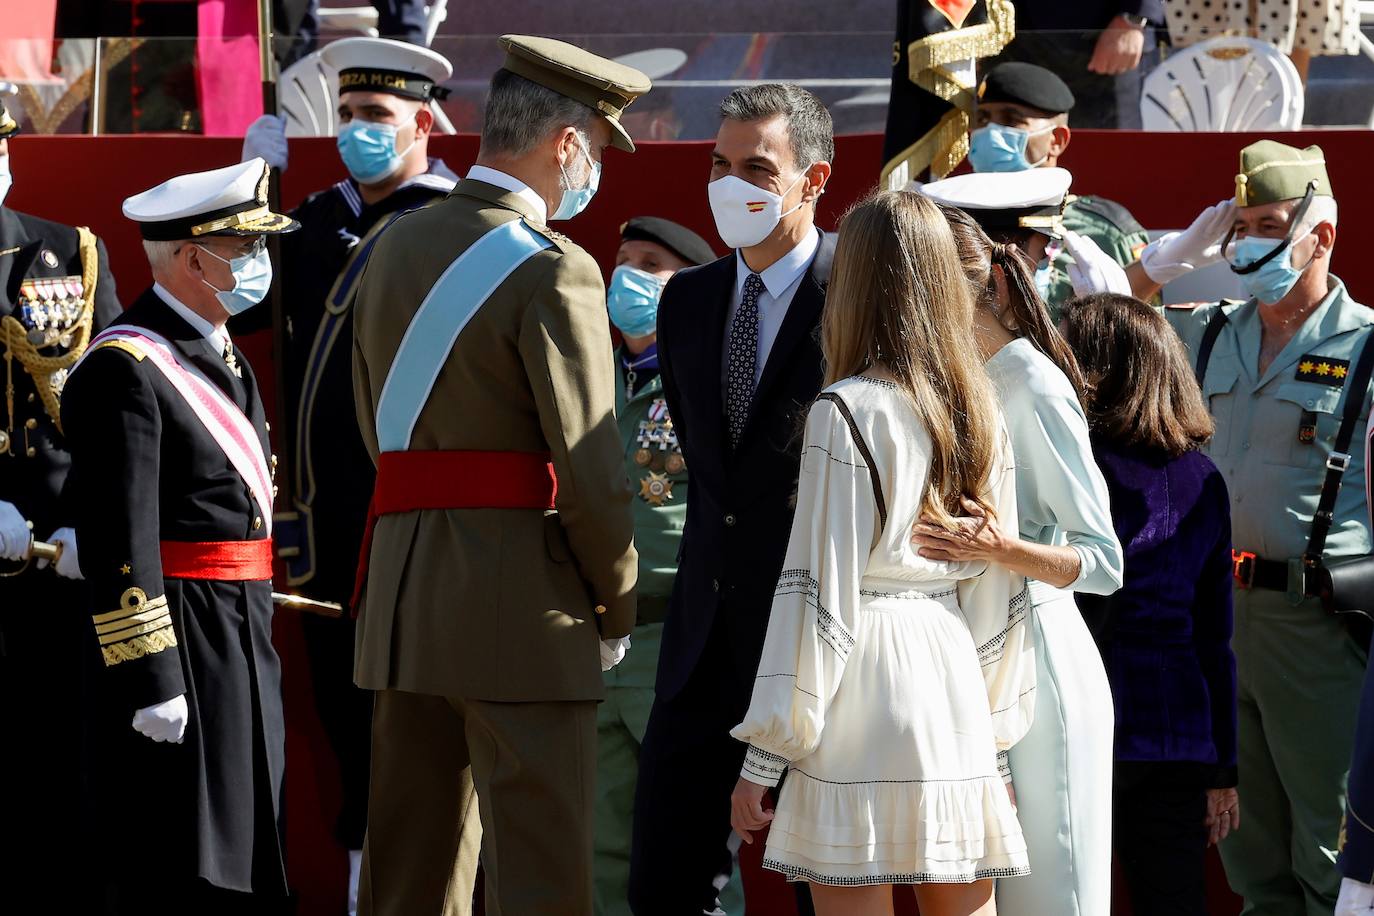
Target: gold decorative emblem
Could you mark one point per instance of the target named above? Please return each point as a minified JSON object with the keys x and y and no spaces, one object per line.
{"x":643,"y":457}
{"x":675,"y":464}
{"x":126,"y":569}
{"x":1234,"y":52}
{"x":656,"y":489}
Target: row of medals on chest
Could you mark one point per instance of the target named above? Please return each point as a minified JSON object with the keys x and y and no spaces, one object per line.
{"x":50,"y":309}
{"x":659,"y":452}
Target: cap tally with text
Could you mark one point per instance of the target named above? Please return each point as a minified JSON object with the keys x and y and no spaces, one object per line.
{"x":383,"y":65}
{"x":1001,"y":201}
{"x":227,"y":201}
{"x":602,"y":85}
{"x":1026,"y":84}
{"x":677,"y":238}
{"x":8,"y":126}
{"x":1271,"y":171}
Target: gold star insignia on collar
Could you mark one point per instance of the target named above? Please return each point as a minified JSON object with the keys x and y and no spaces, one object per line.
{"x":126,"y":569}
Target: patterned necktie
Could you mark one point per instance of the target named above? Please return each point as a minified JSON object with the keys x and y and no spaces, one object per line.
{"x":230,"y":360}
{"x":744,"y":356}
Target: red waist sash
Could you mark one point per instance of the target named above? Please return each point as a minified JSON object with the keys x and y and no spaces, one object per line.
{"x":226,"y":561}
{"x":414,"y":480}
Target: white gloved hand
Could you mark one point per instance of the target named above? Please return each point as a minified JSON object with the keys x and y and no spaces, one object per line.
{"x":67,"y":565}
{"x":266,"y":140}
{"x":613,"y":652}
{"x":165,"y":721}
{"x":1092,"y":269}
{"x":1176,"y":253}
{"x":1356,"y":899}
{"x":15,"y":535}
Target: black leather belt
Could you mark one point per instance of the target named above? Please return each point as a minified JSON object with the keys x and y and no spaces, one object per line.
{"x":1252,"y":571}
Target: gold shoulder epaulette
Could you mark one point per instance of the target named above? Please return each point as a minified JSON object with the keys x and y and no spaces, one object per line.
{"x":124,"y":345}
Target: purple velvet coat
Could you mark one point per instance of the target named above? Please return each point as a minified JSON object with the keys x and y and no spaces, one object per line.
{"x":1165,"y":635}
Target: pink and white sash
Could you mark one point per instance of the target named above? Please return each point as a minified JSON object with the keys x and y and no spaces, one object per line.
{"x":220,"y":416}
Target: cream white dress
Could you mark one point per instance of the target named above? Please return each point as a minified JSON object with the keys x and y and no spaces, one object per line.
{"x":889,"y":683}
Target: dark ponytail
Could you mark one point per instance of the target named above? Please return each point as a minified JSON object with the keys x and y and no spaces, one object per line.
{"x":1028,"y":311}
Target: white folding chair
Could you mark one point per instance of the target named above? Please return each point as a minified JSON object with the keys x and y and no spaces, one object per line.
{"x":1223,"y":84}
{"x":308,"y":100}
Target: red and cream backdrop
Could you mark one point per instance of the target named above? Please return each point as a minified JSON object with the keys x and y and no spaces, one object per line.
{"x":1165,"y":179}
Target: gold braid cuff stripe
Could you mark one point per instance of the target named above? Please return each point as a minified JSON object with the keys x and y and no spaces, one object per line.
{"x":945,"y":145}
{"x":14,"y":337}
{"x":133,"y":603}
{"x":131,"y":630}
{"x":139,"y":646}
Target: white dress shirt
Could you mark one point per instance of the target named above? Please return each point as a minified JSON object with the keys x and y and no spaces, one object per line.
{"x":218,"y":337}
{"x":512,"y":184}
{"x":780,"y":282}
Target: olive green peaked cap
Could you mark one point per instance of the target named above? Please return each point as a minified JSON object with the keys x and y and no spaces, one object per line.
{"x":602,"y":85}
{"x":1271,"y":171}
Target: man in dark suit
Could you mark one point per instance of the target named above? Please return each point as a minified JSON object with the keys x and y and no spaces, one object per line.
{"x":740,"y":357}
{"x":171,"y":483}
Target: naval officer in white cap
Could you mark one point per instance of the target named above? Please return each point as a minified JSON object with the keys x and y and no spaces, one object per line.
{"x":172,"y":483}
{"x":1026,"y":209}
{"x":386,"y":93}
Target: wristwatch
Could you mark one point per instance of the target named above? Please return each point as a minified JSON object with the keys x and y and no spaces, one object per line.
{"x":1135,"y":21}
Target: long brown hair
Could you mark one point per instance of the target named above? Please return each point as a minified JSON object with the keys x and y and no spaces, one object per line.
{"x":1141,"y":390}
{"x":898,"y":300}
{"x":1029,"y":316}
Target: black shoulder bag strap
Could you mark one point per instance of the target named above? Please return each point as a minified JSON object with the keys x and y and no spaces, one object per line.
{"x":862,"y":446}
{"x":1356,"y":390}
{"x":1209,"y":340}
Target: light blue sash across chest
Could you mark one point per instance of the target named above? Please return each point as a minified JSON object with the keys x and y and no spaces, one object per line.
{"x":455,"y":297}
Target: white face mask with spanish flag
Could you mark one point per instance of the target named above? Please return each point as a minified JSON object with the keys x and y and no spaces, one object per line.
{"x":745,"y":213}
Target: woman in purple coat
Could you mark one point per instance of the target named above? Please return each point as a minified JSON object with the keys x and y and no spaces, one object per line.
{"x":1165,"y":636}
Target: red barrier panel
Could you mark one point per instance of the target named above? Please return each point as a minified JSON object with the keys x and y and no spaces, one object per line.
{"x":1165,"y":179}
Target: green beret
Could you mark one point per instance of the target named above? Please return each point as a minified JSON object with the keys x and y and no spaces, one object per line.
{"x":8,"y":126}
{"x":602,"y":85}
{"x":1271,"y":171}
{"x":1026,"y":84}
{"x":678,"y":239}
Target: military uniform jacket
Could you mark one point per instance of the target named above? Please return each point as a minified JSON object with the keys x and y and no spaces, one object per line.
{"x":498,"y":604}
{"x":145,"y":470}
{"x":658,"y":480}
{"x":41,"y":285}
{"x":1108,"y":224}
{"x":1274,"y":431}
{"x":333,"y":472}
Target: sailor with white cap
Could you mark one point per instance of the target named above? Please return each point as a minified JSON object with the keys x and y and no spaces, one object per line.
{"x":172,"y":483}
{"x":386,"y":90}
{"x":1026,"y":208}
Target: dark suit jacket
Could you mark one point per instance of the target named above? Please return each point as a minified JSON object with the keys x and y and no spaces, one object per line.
{"x":1165,"y":635}
{"x":1357,"y":839}
{"x":739,"y":507}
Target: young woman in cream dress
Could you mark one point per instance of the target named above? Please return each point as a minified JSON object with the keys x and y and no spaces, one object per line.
{"x":890,"y":684}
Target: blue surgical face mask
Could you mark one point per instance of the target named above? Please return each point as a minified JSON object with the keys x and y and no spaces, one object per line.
{"x":252,"y":279}
{"x":369,"y":152}
{"x":1272,"y":281}
{"x":1044,"y":273}
{"x":632,"y":299}
{"x":575,"y":200}
{"x":999,"y":148}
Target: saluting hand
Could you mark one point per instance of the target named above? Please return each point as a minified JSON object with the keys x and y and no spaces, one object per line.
{"x":746,"y":809}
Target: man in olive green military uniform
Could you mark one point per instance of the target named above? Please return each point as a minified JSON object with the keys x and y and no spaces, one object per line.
{"x":502,"y":564}
{"x":1277,"y":377}
{"x":651,"y":251}
{"x":1022,"y":122}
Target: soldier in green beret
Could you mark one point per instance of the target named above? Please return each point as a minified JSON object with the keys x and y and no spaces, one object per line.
{"x":1280,"y":371}
{"x":651,"y":251}
{"x":1022,"y":122}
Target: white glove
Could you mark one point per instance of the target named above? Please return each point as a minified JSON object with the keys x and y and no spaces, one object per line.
{"x":1092,"y":269}
{"x":67,"y":565}
{"x":613,"y":652}
{"x":266,"y":140}
{"x":14,"y":533}
{"x":1356,"y":899}
{"x":165,"y":721}
{"x":1176,"y":253}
